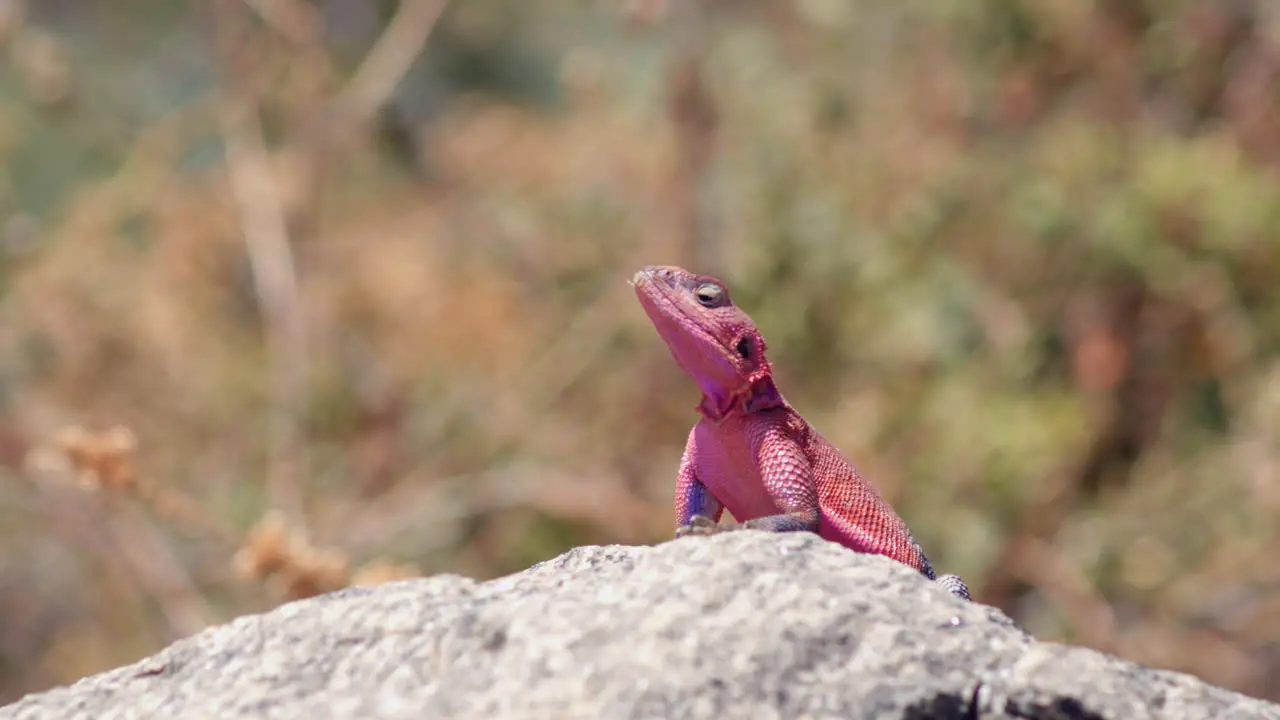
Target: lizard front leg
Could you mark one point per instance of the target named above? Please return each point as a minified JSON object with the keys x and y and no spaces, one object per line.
{"x":697,"y":509}
{"x":787,"y":476}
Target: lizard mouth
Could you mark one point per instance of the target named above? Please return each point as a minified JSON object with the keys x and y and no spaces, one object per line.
{"x":659,"y":293}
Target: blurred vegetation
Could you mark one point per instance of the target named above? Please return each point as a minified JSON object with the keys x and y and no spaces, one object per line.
{"x":301,"y":294}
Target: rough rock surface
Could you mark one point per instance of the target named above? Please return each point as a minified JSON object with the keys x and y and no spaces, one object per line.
{"x":738,"y":625}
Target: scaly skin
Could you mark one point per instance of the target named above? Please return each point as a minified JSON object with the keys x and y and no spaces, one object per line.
{"x":752,"y":452}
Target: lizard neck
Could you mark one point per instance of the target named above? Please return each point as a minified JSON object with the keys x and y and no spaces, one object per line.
{"x":757,"y":396}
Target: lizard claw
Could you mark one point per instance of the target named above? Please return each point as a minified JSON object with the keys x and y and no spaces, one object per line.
{"x":698,"y":525}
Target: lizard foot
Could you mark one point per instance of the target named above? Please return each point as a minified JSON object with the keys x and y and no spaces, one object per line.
{"x":955,"y":586}
{"x":700,"y":525}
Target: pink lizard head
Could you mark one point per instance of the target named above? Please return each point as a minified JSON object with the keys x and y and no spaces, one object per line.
{"x":712,"y":339}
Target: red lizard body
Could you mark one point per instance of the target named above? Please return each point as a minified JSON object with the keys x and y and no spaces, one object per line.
{"x":752,"y":452}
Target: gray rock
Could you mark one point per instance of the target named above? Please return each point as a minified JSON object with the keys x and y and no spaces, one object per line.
{"x":737,"y":625}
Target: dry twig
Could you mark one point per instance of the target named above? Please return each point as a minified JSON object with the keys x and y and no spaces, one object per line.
{"x":271,"y":261}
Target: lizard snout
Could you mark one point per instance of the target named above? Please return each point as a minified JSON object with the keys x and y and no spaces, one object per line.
{"x":669,"y":276}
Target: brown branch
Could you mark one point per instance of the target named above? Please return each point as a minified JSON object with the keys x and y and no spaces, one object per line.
{"x":276,"y":284}
{"x":386,"y":64}
{"x":356,"y":104}
{"x":268,"y":229}
{"x":271,"y":261}
{"x":295,"y":20}
{"x":158,"y":569}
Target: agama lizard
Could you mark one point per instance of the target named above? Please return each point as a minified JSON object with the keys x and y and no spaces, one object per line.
{"x":752,"y":452}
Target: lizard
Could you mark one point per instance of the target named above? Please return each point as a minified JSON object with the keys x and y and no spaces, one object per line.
{"x":752,"y":452}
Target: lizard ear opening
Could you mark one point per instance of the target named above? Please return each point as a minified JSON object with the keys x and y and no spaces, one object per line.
{"x":764,"y":395}
{"x":744,"y":348}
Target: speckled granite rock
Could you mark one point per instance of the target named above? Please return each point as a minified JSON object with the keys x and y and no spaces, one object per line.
{"x":738,"y":625}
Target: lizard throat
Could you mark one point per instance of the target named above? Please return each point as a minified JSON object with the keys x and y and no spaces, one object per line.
{"x":761,"y":394}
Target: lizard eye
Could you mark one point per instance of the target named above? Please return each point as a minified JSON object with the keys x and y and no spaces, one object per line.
{"x":744,"y":348}
{"x":709,"y":295}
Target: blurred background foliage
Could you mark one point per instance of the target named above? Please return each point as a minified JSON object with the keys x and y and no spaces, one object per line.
{"x":302,"y":294}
